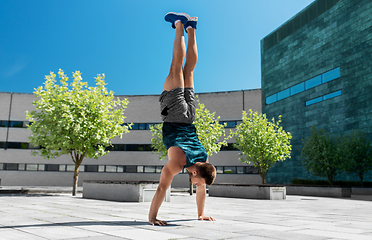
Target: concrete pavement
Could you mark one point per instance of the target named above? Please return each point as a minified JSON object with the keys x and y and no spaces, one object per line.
{"x":61,"y":216}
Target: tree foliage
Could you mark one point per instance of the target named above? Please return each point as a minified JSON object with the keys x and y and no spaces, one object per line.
{"x":261,"y":141}
{"x":72,"y":118}
{"x":356,"y":154}
{"x":207,"y":126}
{"x":157,"y":140}
{"x":321,"y":155}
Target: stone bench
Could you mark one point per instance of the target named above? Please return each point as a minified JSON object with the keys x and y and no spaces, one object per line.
{"x":124,"y":191}
{"x":250,"y":191}
{"x":319,"y":191}
{"x":361,"y":191}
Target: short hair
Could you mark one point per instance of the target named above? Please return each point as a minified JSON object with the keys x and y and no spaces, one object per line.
{"x":206,"y":171}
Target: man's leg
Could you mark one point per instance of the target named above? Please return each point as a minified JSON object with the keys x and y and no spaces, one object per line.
{"x":191,"y":59}
{"x":175,"y":78}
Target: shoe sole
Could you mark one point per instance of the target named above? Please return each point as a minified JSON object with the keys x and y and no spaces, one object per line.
{"x":187,"y":16}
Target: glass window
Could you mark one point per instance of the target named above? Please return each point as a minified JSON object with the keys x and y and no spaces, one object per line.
{"x":81,"y":168}
{"x":298,"y":88}
{"x":271,"y":99}
{"x":149,"y":169}
{"x":21,"y":167}
{"x":229,"y":170}
{"x":41,"y":167}
{"x":331,"y":75}
{"x":131,"y":147}
{"x":4,"y":123}
{"x":62,"y":168}
{"x":230,"y":124}
{"x":70,"y":168}
{"x":140,"y":169}
{"x":1,"y":166}
{"x":51,"y":167}
{"x":332,"y":95}
{"x":251,"y":170}
{"x":14,"y":145}
{"x":135,"y":126}
{"x":17,"y":124}
{"x":239,"y":170}
{"x":31,"y":146}
{"x":159,"y":168}
{"x":120,"y":169}
{"x":118,"y":147}
{"x":108,"y":148}
{"x":219,"y":169}
{"x":2,"y":144}
{"x":229,"y":147}
{"x":11,"y":166}
{"x":141,"y":147}
{"x":91,"y":168}
{"x":315,"y":100}
{"x":101,"y":168}
{"x":31,"y":167}
{"x":142,"y":126}
{"x":148,"y":147}
{"x":110,"y":168}
{"x":24,"y":145}
{"x":313,"y":82}
{"x":25,"y":123}
{"x":284,"y":94}
{"x":131,"y":169}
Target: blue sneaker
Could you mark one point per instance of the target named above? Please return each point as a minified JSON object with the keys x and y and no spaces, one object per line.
{"x":191,"y":23}
{"x":172,"y":17}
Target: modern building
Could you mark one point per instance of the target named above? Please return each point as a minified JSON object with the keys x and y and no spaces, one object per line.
{"x":131,"y":157}
{"x":316,"y":71}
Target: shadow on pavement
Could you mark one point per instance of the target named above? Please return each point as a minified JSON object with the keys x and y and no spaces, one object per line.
{"x":95,"y":223}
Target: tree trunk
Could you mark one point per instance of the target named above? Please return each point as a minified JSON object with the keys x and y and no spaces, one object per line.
{"x":77,"y":158}
{"x":262,"y":174}
{"x":361,"y":179}
{"x":191,"y":188}
{"x":76,"y":178}
{"x":330,"y":180}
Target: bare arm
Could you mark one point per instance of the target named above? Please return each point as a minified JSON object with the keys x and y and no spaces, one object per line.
{"x":200,"y":201}
{"x":170,"y":169}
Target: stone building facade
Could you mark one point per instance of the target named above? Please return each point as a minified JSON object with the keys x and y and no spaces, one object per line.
{"x":131,"y":157}
{"x":316,"y":71}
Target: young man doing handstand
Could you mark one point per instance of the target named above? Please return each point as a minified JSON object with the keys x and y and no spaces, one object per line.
{"x":177,"y":105}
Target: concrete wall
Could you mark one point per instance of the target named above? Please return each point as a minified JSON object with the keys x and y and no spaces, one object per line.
{"x":141,"y":109}
{"x":42,"y":178}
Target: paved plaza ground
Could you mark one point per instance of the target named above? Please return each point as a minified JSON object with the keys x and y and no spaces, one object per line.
{"x":61,"y":216}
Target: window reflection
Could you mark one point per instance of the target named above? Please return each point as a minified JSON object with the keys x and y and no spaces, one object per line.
{"x":308,"y":84}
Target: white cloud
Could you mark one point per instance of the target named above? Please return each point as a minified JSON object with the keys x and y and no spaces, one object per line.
{"x":15,"y":69}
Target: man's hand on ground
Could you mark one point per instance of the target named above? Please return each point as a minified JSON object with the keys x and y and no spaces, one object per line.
{"x":158,"y":222}
{"x":206,"y":218}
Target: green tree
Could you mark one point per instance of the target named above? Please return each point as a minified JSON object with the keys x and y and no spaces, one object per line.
{"x":262,"y":142}
{"x":356,"y":154}
{"x":207,"y":127}
{"x":157,"y":140}
{"x":74,"y":119}
{"x":321,"y":155}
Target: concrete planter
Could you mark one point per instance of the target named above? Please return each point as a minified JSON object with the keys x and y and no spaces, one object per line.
{"x":271,"y":192}
{"x":319,"y":191}
{"x":129,"y":191}
{"x":361,"y":191}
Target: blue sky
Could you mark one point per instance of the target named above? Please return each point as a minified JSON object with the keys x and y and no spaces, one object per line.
{"x":131,"y":43}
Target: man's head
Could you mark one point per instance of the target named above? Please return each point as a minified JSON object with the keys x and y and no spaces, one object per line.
{"x":205,"y":174}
